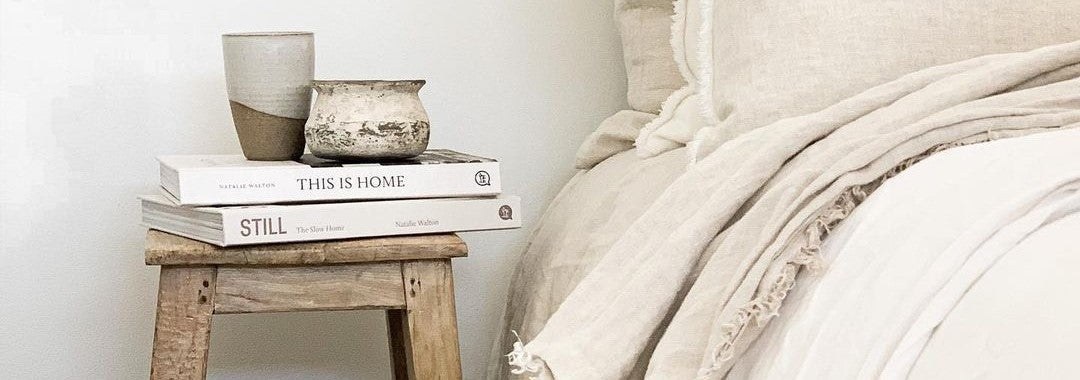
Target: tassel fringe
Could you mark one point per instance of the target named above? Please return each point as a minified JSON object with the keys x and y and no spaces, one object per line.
{"x":521,"y":360}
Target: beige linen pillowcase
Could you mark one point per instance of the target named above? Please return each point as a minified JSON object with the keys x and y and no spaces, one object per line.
{"x":651,"y":77}
{"x":651,"y":72}
{"x":680,"y":115}
{"x":770,"y":60}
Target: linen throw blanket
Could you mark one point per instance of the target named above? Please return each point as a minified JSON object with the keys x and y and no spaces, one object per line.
{"x":771,"y":195}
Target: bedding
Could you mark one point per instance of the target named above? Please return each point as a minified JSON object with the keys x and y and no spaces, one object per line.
{"x":680,"y":114}
{"x":895,"y":272}
{"x":1019,"y":320}
{"x":766,"y":61}
{"x":614,"y":135}
{"x":580,"y":224}
{"x":645,"y":27}
{"x":775,"y":191}
{"x":652,"y":75}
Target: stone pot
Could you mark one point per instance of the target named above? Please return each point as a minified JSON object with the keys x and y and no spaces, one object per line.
{"x":367,"y":120}
{"x":268,"y":76}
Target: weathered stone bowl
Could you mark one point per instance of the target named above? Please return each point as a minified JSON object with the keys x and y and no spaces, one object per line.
{"x":364,"y":120}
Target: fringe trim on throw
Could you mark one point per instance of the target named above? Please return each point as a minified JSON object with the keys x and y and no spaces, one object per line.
{"x":762,"y":308}
{"x":521,"y":360}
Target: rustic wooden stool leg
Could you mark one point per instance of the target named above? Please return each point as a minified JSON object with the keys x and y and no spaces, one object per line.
{"x":182,"y":331}
{"x":397,"y":330}
{"x":428,"y":327}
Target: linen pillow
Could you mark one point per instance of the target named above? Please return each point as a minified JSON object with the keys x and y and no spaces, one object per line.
{"x":645,"y":28}
{"x":652,"y":75}
{"x":680,"y":114}
{"x":776,"y":59}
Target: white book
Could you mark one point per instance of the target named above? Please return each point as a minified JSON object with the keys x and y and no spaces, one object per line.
{"x":237,"y":225}
{"x":203,"y":180}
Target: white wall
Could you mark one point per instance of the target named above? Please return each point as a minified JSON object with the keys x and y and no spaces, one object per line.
{"x":90,"y":93}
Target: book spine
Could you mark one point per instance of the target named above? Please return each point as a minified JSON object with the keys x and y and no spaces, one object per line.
{"x":169,"y":180}
{"x":204,"y":187}
{"x":270,"y":224}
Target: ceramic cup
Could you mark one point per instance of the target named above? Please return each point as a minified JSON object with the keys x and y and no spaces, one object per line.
{"x":268,"y":75}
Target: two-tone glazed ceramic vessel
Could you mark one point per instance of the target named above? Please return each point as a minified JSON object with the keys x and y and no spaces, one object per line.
{"x":366,"y":120}
{"x":268,"y":75}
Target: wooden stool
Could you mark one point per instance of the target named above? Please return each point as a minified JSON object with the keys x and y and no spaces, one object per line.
{"x":410,"y":277}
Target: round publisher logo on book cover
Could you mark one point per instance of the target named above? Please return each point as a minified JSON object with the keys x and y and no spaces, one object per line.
{"x":506,"y":213}
{"x":482,"y":178}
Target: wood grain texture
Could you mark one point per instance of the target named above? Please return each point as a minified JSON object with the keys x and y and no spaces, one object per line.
{"x":182,"y":330}
{"x":167,"y":249}
{"x":308,"y":288}
{"x":430,"y":321}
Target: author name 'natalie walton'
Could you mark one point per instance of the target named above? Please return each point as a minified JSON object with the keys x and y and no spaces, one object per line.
{"x":415,"y":223}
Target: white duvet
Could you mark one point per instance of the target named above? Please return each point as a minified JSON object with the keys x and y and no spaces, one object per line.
{"x":907,"y":258}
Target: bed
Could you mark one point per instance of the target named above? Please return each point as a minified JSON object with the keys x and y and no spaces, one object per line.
{"x":883,"y":190}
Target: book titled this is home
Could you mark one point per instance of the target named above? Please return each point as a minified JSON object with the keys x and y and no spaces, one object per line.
{"x":203,"y":180}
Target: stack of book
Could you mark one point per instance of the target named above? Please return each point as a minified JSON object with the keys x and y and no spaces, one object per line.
{"x":227,"y":200}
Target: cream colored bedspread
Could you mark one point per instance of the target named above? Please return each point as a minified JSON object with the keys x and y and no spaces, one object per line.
{"x":774,"y":193}
{"x":969,"y":249}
